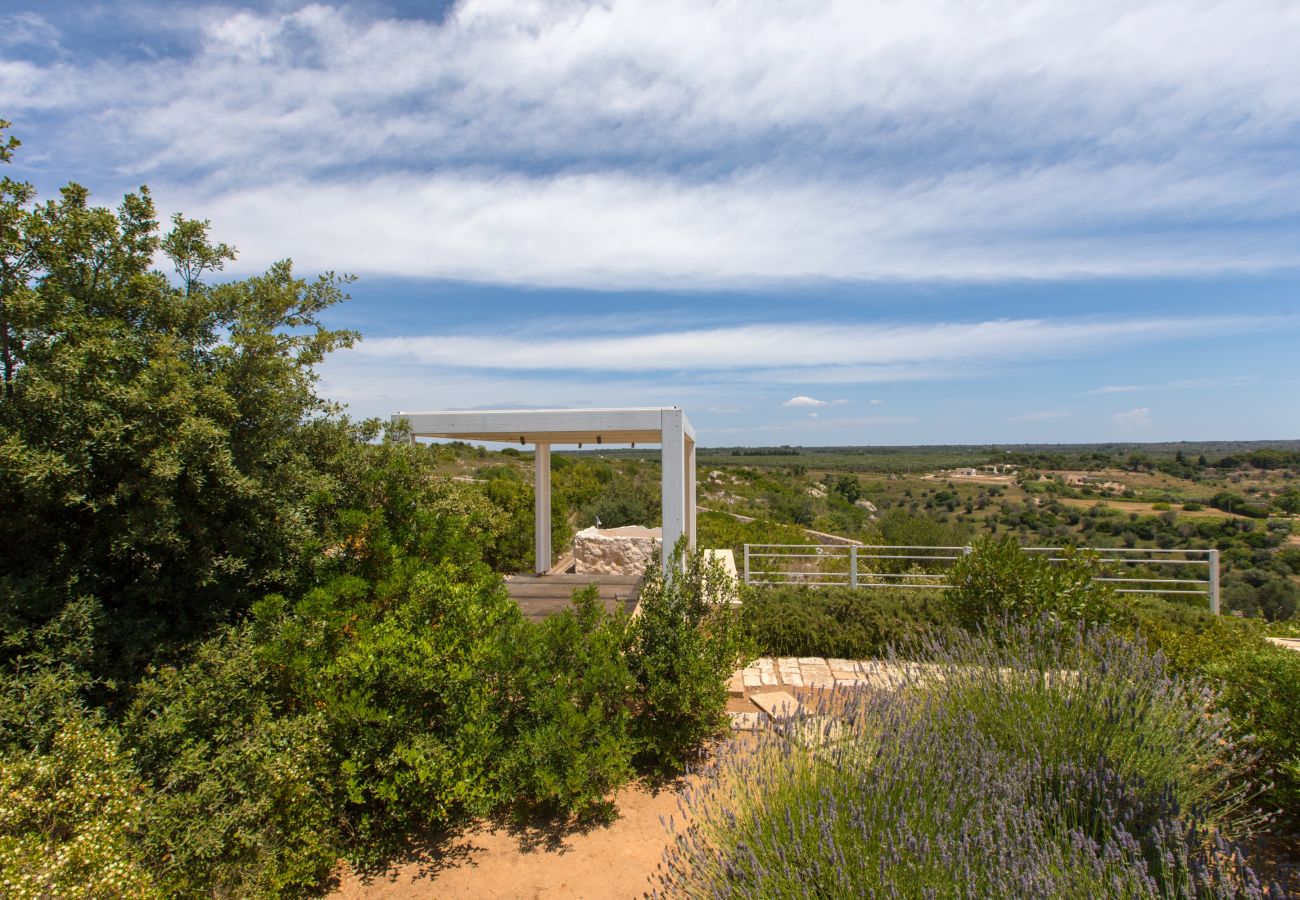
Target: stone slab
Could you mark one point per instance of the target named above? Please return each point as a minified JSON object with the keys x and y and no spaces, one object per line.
{"x":817,"y":674}
{"x":737,"y":686}
{"x":777,"y":704}
{"x":1288,"y":643}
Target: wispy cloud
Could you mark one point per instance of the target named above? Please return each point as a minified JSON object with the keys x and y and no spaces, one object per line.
{"x":815,"y":349}
{"x":631,"y":144}
{"x":1182,"y":384}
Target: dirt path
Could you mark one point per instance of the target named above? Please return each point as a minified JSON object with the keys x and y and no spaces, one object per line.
{"x":612,"y":862}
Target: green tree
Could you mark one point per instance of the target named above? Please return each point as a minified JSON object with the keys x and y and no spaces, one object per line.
{"x":1289,"y":501}
{"x":162,"y":447}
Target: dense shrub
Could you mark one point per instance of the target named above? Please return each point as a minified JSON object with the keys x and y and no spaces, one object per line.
{"x":243,"y":782}
{"x":791,"y":620}
{"x":1260,"y":689}
{"x":682,"y":650}
{"x":941,"y":788}
{"x":405,"y":671}
{"x":1190,"y":637}
{"x":566,"y":704}
{"x":70,"y":801}
{"x":1257,"y":685}
{"x":998,"y":579}
{"x":718,"y":529}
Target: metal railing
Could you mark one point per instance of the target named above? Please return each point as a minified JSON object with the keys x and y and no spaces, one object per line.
{"x":1131,"y":570}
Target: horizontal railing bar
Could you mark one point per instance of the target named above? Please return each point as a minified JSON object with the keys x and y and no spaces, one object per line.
{"x":838,"y":546}
{"x":919,"y":584}
{"x":1159,"y":591}
{"x":1112,"y":549}
{"x":798,"y":556}
{"x":907,"y":556}
{"x":1144,"y":562}
{"x":1157,"y":580}
{"x":811,"y":583}
{"x":897,"y":575}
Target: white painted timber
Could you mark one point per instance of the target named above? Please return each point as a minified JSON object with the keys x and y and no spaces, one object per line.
{"x":542,"y":509}
{"x":674,"y":480}
{"x":690,"y":491}
{"x":553,"y":426}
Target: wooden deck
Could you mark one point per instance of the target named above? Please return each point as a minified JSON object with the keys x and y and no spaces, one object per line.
{"x":540,"y":596}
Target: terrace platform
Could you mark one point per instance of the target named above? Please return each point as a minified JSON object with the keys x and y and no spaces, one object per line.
{"x":540,"y":596}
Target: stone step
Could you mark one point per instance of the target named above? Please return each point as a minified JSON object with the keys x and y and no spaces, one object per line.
{"x":777,"y":704}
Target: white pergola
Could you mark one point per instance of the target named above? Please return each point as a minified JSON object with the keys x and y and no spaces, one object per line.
{"x":544,"y":428}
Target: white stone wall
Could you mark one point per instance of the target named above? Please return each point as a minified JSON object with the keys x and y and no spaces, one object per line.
{"x":615,"y":551}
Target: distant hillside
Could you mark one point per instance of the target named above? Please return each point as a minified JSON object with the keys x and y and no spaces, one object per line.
{"x":919,"y":458}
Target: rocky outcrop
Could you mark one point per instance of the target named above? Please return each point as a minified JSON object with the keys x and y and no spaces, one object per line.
{"x":615,"y":551}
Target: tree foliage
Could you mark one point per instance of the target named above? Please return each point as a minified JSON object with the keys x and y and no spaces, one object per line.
{"x":162,"y":447}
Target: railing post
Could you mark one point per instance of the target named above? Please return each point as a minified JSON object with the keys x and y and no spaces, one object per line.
{"x":853,"y":565}
{"x":747,"y":564}
{"x":1214,"y":582}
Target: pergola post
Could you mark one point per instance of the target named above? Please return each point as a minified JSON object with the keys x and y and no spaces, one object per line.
{"x":690,"y":493}
{"x":673,"y":465}
{"x":542,"y":508}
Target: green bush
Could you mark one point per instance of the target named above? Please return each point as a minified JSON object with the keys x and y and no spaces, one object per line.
{"x":70,"y":801}
{"x":999,"y":580}
{"x":405,"y":672}
{"x":1256,"y":684}
{"x":565,"y":700}
{"x":244,"y":780}
{"x":1260,"y":689}
{"x":1190,"y":637}
{"x":792,"y":620}
{"x":682,"y":650}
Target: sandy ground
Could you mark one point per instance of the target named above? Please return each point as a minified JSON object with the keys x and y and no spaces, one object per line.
{"x":1137,"y":506}
{"x":487,"y":862}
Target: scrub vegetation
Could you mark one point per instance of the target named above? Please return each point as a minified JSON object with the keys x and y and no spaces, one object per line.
{"x":244,"y":637}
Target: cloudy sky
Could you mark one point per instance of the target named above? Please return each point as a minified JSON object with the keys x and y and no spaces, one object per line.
{"x":874,"y":221}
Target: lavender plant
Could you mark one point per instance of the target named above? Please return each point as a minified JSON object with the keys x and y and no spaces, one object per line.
{"x":1049,"y":763}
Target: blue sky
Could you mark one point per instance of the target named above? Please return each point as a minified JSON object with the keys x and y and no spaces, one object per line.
{"x":930,"y":221}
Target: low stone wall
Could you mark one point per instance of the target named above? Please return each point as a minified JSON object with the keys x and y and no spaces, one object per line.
{"x":615,"y":551}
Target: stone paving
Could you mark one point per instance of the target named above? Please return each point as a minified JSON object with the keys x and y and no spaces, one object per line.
{"x":768,"y":687}
{"x":817,"y":672}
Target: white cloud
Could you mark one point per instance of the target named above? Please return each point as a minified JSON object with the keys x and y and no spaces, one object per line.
{"x":840,"y":402}
{"x":1134,"y":418}
{"x":628,"y":229}
{"x":818,"y":352}
{"x":1180,"y":385}
{"x":876,"y":402}
{"x":814,"y":415}
{"x":678,"y":143}
{"x":804,"y":401}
